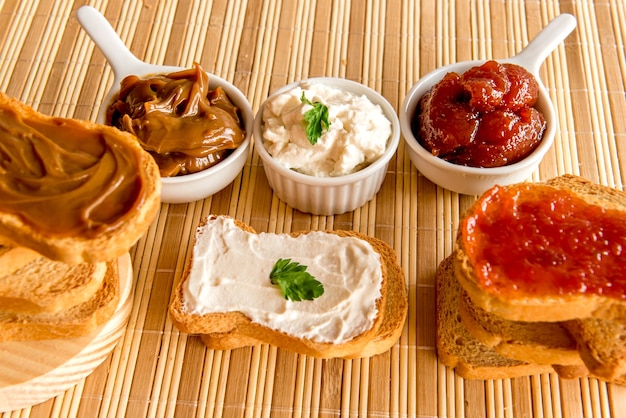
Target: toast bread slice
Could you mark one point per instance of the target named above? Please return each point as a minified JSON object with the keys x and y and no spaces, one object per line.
{"x":228,"y":340}
{"x":602,"y":346}
{"x":105,"y":243}
{"x":13,"y":258}
{"x":46,"y":286}
{"x":457,"y":348}
{"x":78,"y":320}
{"x":535,"y":342}
{"x":229,"y":330}
{"x":389,"y":331}
{"x":556,"y":307}
{"x":591,"y":347}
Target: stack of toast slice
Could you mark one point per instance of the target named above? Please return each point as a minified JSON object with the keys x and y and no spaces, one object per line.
{"x":74,"y":197}
{"x":486,"y":330}
{"x":42,"y":299}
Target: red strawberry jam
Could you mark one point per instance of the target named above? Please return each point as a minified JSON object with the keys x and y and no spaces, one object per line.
{"x":527,"y":240}
{"x":483,"y":117}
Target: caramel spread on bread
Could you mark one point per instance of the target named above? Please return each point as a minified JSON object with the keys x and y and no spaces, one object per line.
{"x":62,"y":178}
{"x":531,"y":240}
{"x":184,"y":125}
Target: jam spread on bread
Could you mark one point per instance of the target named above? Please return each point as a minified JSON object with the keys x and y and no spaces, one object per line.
{"x":527,"y":240}
{"x":483,"y":117}
{"x":183,"y":124}
{"x":65,"y":179}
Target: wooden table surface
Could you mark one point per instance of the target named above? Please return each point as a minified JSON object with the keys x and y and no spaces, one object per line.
{"x":48,"y":62}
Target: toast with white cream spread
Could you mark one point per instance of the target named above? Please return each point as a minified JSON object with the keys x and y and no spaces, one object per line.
{"x":226,"y":294}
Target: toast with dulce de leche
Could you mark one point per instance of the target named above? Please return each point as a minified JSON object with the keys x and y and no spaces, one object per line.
{"x":74,"y":197}
{"x":72,"y":190}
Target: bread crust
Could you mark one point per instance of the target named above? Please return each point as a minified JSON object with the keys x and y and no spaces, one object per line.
{"x":81,"y":249}
{"x":547,"y":308}
{"x":233,"y":329}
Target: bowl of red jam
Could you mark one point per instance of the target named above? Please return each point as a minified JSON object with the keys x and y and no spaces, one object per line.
{"x":196,"y":125}
{"x":474,"y":124}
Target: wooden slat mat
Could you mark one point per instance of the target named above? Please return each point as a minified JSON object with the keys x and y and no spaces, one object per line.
{"x":47,"y":61}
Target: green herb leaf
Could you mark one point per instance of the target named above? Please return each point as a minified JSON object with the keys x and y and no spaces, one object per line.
{"x":316,"y":120}
{"x":294,"y":281}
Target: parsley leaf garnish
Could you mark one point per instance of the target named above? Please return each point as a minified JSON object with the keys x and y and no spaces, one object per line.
{"x":294,"y":281}
{"x":316,"y":119}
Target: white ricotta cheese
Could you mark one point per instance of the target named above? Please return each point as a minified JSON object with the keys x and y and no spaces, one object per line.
{"x":358,"y":134}
{"x":230,"y":273}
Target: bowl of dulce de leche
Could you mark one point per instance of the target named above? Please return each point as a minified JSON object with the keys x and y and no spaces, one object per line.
{"x":474,"y":124}
{"x":197,"y":126}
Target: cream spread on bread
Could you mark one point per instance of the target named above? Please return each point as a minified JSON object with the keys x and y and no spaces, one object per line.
{"x":230,"y":273}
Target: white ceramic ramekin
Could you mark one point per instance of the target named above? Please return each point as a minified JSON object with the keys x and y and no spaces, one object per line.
{"x":328,"y":195}
{"x":473,"y":180}
{"x":179,"y":189}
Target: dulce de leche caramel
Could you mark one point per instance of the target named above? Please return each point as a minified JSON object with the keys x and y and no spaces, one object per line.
{"x":183,"y":124}
{"x":66,"y":177}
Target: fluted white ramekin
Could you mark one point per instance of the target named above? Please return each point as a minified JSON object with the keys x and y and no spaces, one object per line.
{"x":328,"y":195}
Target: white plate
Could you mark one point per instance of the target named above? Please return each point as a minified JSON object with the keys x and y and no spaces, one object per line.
{"x":32,"y":372}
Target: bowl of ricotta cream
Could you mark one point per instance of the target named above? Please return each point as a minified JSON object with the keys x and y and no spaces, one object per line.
{"x":325,"y":143}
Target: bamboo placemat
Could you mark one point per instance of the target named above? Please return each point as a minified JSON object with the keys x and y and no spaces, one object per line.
{"x":47,"y":61}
